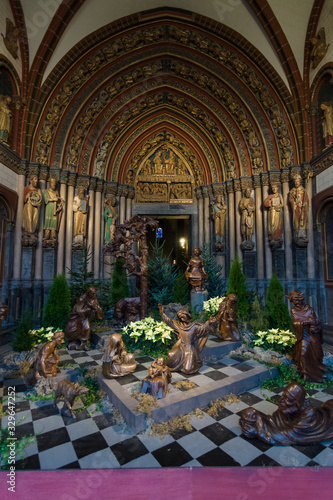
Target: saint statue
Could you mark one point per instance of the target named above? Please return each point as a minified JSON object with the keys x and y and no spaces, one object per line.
{"x":192,"y":337}
{"x":247,"y":208}
{"x":308,"y":352}
{"x":5,"y":117}
{"x":80,"y":207}
{"x":327,"y":122}
{"x":195,"y":272}
{"x":31,"y":212}
{"x":295,"y":422}
{"x":274,"y":203}
{"x":110,"y":217}
{"x":299,"y":204}
{"x":53,"y":209}
{"x":219,"y":216}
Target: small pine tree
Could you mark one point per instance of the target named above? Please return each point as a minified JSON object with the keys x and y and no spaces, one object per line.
{"x":215,"y":286}
{"x":81,"y":279}
{"x":237,"y":285}
{"x":119,"y":287}
{"x":162,"y":276}
{"x":276,"y":310}
{"x":182,"y":292}
{"x":58,"y":307}
{"x":21,"y":340}
{"x":259,"y":322}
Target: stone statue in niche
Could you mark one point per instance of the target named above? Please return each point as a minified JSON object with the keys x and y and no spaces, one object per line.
{"x":158,"y":379}
{"x":295,"y":422}
{"x":308,"y":352}
{"x":31,"y":212}
{"x":247,"y":208}
{"x":117,"y":362}
{"x":219,"y":215}
{"x":11,"y":38}
{"x":80,"y":207}
{"x":195,"y":272}
{"x":77,"y":329}
{"x":53,"y":209}
{"x":274,"y":203}
{"x":127,"y":310}
{"x":48,"y":358}
{"x":192,"y":337}
{"x":299,"y":204}
{"x":319,"y":47}
{"x":5,"y":117}
{"x":227,"y":318}
{"x":327,"y":122}
{"x":110,"y":217}
{"x":69,"y":392}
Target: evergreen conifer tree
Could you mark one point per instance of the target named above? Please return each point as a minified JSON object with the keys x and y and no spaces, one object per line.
{"x":259,"y":322}
{"x":237,"y":285}
{"x":21,"y":340}
{"x":213,"y":269}
{"x":119,"y":287}
{"x":81,"y":279}
{"x":57,"y":308}
{"x":276,"y":309}
{"x":162,"y":275}
{"x":182,"y":291}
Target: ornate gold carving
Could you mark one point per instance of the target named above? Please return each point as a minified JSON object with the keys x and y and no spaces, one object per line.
{"x":72,"y":180}
{"x":237,"y":185}
{"x":256,"y":181}
{"x":99,"y":185}
{"x":111,"y":188}
{"x":285,"y":173}
{"x":319,"y":48}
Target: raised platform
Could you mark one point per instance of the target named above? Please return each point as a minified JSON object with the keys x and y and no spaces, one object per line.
{"x":217,"y":378}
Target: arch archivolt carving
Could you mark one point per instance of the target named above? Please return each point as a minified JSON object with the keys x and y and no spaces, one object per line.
{"x":100,"y":61}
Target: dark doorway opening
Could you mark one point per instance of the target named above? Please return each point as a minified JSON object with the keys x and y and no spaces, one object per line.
{"x":176,"y":235}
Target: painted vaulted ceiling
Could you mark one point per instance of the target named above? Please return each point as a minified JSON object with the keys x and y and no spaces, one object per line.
{"x":226,"y":83}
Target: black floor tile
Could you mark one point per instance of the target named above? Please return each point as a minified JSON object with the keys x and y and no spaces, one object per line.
{"x":217,"y":433}
{"x":26,"y":430}
{"x":215,"y":375}
{"x":22,"y":406}
{"x":96,"y":356}
{"x":217,"y":458}
{"x":263,"y":461}
{"x":257,"y":443}
{"x":249,"y":399}
{"x":241,"y":359}
{"x":104,"y":421}
{"x":310,"y":450}
{"x":329,"y":390}
{"x":127,"y":379}
{"x":72,"y":465}
{"x":129,"y":450}
{"x":77,"y":354}
{"x":216,"y":366}
{"x":222,"y":413}
{"x":29,"y":463}
{"x":79,"y":415}
{"x":18,"y":388}
{"x":52,"y":438}
{"x":172,"y":455}
{"x":314,"y":402}
{"x":143,"y":359}
{"x":312,"y":463}
{"x":140,"y":368}
{"x":89,"y":444}
{"x":179,"y":433}
{"x":44,"y":411}
{"x":243,"y":367}
{"x":275,"y":399}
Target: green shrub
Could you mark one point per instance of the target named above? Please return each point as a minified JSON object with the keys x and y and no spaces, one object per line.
{"x":81,"y":279}
{"x":22,"y":341}
{"x":58,"y":307}
{"x":213,"y":269}
{"x":276,"y":310}
{"x":237,"y":285}
{"x":153,"y":338}
{"x":119,"y":287}
{"x":182,"y":292}
{"x":259,"y":320}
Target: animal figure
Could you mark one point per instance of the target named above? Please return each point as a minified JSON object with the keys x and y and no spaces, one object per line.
{"x":69,"y":391}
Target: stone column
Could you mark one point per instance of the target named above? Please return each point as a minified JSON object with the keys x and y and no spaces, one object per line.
{"x":91,"y":219}
{"x":7,"y":264}
{"x":231,"y":218}
{"x":198,"y":192}
{"x":206,"y":193}
{"x":69,"y":225}
{"x":259,"y":231}
{"x":122,"y":212}
{"x":310,"y":235}
{"x":287,"y":225}
{"x":268,"y":251}
{"x":238,"y":196}
{"x":61,"y":233}
{"x":97,"y":232}
{"x":18,"y":228}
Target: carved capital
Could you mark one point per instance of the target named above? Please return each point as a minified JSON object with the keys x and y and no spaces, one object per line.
{"x":33,"y":169}
{"x":274,"y":178}
{"x":264,"y":178}
{"x":206,"y":191}
{"x":285,"y":175}
{"x":43,"y":173}
{"x":17,"y":102}
{"x":10,"y":226}
{"x":64,"y":175}
{"x":307,"y":171}
{"x":217,"y":189}
{"x":82,"y":181}
{"x":230,"y":187}
{"x":93,"y":183}
{"x":22,"y":168}
{"x":100,"y":185}
{"x":237,"y":185}
{"x":198,"y":193}
{"x":246,"y":183}
{"x":131,"y":193}
{"x":256,"y":181}
{"x":72,"y":180}
{"x":111,"y":188}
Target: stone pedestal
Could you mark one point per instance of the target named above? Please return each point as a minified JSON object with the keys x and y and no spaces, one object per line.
{"x":27,"y":271}
{"x":250,"y":263}
{"x":197,"y":300}
{"x":301,"y":263}
{"x":279,"y":263}
{"x":48,"y":270}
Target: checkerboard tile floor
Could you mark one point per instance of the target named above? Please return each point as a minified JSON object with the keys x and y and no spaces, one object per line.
{"x":96,"y":440}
